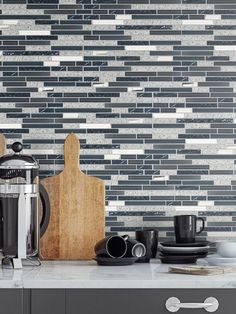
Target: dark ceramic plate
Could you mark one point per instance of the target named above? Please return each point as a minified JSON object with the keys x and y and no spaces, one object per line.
{"x":199,"y":254}
{"x":178,"y":259}
{"x":108,"y":261}
{"x":195,"y":244}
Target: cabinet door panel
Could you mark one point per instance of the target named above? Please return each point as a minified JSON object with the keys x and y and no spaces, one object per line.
{"x":144,"y":301}
{"x":48,"y":301}
{"x":11,"y":301}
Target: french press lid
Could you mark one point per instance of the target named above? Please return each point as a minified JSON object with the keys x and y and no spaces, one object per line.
{"x":18,"y":160}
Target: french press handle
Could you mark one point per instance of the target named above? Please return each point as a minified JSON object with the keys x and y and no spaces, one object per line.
{"x":46,"y":209}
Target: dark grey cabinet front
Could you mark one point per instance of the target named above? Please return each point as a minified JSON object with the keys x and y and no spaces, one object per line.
{"x":144,"y":301}
{"x":11,"y":301}
{"x":110,"y":301}
{"x":47,"y":301}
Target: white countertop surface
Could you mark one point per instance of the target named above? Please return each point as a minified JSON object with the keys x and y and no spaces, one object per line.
{"x":87,"y":275}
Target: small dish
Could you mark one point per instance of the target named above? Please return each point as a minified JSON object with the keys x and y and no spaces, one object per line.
{"x":226,"y":249}
{"x":216,"y":260}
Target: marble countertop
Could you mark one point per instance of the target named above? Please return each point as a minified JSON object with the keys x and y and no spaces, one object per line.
{"x":87,"y":275}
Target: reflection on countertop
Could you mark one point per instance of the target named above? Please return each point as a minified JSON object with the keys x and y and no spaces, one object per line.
{"x":87,"y":275}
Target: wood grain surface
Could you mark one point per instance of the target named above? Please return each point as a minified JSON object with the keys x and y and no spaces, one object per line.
{"x":77,"y":202}
{"x":2,"y":145}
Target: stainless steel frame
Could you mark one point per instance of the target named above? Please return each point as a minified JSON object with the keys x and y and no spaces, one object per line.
{"x":26,"y":192}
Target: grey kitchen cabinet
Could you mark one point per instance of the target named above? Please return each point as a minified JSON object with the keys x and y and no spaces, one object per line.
{"x":47,"y":301}
{"x":140,"y":301}
{"x":11,"y":301}
{"x":110,"y":301}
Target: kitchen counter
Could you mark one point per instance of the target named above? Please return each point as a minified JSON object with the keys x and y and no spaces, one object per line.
{"x":87,"y":275}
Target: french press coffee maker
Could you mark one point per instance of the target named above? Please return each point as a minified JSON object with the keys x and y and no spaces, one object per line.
{"x":19,"y":207}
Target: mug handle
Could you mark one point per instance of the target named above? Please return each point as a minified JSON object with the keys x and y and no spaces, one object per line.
{"x":203,"y":225}
{"x":125,"y":237}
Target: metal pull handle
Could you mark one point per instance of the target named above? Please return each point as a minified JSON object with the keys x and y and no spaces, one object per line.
{"x":173,"y":304}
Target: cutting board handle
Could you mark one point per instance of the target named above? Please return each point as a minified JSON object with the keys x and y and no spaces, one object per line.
{"x":72,"y":151}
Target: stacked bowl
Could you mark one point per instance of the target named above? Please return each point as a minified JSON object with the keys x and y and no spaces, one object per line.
{"x":225,"y":254}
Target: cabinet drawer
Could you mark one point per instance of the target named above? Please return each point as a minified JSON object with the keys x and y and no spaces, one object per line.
{"x":11,"y":301}
{"x":144,"y":301}
{"x":47,"y":301}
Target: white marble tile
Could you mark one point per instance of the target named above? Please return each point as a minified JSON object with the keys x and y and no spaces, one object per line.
{"x":164,"y":58}
{"x":67,"y":58}
{"x":159,"y":178}
{"x":190,"y":208}
{"x":9,"y":22}
{"x":133,"y":89}
{"x":212,"y":17}
{"x":100,"y":53}
{"x":95,"y":126}
{"x":133,"y":120}
{"x":51,"y":63}
{"x":127,"y":151}
{"x":184,"y":110}
{"x":197,"y":22}
{"x":116,"y":203}
{"x":35,"y":33}
{"x":111,"y":157}
{"x":123,"y":17}
{"x":45,"y":89}
{"x":200,"y":141}
{"x":11,"y":126}
{"x":172,"y":115}
{"x":107,"y":22}
{"x":140,"y":48}
{"x":225,"y":47}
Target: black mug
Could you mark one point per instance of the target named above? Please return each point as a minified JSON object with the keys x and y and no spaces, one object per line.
{"x":150,"y":240}
{"x":112,"y":246}
{"x":135,"y":248}
{"x":186,"y":228}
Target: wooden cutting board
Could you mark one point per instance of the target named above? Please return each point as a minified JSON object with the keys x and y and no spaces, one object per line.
{"x":2,"y":145}
{"x":77,"y":219}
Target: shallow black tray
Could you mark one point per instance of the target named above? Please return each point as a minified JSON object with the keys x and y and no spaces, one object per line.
{"x":108,"y":261}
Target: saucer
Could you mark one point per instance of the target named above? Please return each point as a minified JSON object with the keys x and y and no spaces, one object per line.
{"x":178,"y":249}
{"x":194,"y":244}
{"x":217,"y":260}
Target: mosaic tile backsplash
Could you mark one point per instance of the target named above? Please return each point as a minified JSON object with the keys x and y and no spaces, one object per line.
{"x":149,"y":86}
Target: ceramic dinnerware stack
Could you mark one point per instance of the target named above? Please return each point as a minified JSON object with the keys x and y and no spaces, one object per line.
{"x":183,"y":253}
{"x":186,"y":248}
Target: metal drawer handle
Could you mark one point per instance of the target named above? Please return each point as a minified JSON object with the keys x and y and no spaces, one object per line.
{"x":173,"y":304}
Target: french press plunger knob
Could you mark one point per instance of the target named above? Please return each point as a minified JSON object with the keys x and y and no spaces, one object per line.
{"x":17,"y":147}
